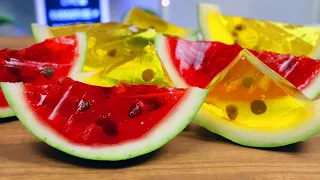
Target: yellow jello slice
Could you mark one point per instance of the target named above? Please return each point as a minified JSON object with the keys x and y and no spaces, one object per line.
{"x":106,"y":42}
{"x":138,"y":67}
{"x":142,"y":19}
{"x":258,"y":35}
{"x":253,"y":98}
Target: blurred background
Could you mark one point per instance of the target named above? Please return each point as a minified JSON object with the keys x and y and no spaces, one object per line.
{"x":16,"y":15}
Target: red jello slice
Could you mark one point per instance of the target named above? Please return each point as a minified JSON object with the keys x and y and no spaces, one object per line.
{"x":93,"y":115}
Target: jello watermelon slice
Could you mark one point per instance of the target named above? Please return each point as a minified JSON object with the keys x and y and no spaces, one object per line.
{"x":103,"y":123}
{"x":41,"y":63}
{"x":249,"y":103}
{"x":183,"y":58}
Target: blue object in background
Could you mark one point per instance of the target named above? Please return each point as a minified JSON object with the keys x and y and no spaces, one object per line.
{"x":64,"y":12}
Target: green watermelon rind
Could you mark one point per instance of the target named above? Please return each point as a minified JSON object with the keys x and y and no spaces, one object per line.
{"x":203,"y":9}
{"x":175,"y":121}
{"x":258,"y":137}
{"x":82,"y":52}
{"x":240,"y":134}
{"x":6,"y":112}
{"x":313,"y":88}
{"x":41,"y":32}
{"x":166,"y":60}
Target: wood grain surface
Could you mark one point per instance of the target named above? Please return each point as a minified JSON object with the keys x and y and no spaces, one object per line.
{"x":194,"y":154}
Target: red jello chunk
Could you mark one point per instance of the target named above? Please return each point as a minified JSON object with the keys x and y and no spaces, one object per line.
{"x":199,"y":62}
{"x":93,"y":115}
{"x":298,"y":70}
{"x":39,"y":63}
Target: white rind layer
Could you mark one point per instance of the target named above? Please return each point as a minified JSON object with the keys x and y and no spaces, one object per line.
{"x":176,"y":120}
{"x":166,"y":60}
{"x":41,"y":32}
{"x":6,"y":112}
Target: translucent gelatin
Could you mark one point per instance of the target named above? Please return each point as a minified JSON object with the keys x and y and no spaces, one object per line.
{"x":246,"y":91}
{"x":262,"y":35}
{"x":299,"y":70}
{"x":109,"y":42}
{"x":199,"y":62}
{"x":139,"y":67}
{"x":142,"y":19}
{"x":93,"y":115}
{"x":252,"y":98}
{"x":39,"y":63}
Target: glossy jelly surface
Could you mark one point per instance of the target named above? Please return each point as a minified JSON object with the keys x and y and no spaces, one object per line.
{"x":139,"y":67}
{"x":93,"y":115}
{"x":108,"y":42}
{"x":262,"y":35}
{"x":199,"y":62}
{"x":39,"y":63}
{"x":142,"y":19}
{"x":250,"y":97}
{"x":243,"y":93}
{"x":299,"y":70}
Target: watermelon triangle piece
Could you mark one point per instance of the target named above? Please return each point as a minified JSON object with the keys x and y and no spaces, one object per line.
{"x":204,"y":60}
{"x":42,"y":63}
{"x":265,"y":124}
{"x":103,"y":123}
{"x":271,"y":113}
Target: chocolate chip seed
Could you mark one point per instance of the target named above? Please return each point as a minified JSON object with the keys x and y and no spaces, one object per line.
{"x":48,"y":72}
{"x":112,"y":52}
{"x":239,"y":27}
{"x":147,"y":75}
{"x":134,"y":110}
{"x":110,"y":128}
{"x":84,"y":105}
{"x":258,"y":107}
{"x":247,"y":82}
{"x":232,"y":112}
{"x":234,"y":34}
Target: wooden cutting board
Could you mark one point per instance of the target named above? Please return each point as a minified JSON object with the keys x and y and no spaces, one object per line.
{"x":194,"y":154}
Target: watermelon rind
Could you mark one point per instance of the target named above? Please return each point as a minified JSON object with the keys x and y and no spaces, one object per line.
{"x":203,"y":10}
{"x":241,"y":134}
{"x":315,"y":54}
{"x":167,"y":62}
{"x":260,"y":137}
{"x":6,"y":112}
{"x":313,"y":88}
{"x":173,"y":123}
{"x":41,"y":32}
{"x":82,"y":52}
